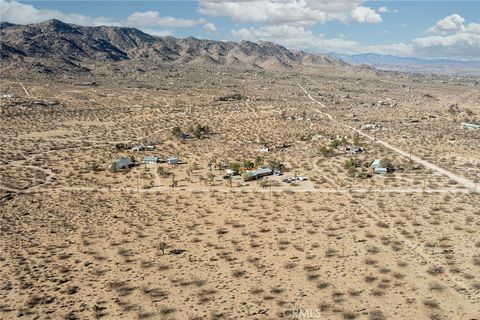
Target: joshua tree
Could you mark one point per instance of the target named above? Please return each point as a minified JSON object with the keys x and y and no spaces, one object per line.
{"x":174,"y":182}
{"x":210,"y":177}
{"x":161,"y":246}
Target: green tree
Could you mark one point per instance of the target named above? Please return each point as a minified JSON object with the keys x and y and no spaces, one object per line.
{"x":336,"y":143}
{"x":177,"y":132}
{"x":248,"y":164}
{"x":235,"y":167}
{"x":276,"y":165}
{"x":258,"y":161}
{"x":161,"y":247}
{"x":351,"y":163}
{"x":326,"y":152}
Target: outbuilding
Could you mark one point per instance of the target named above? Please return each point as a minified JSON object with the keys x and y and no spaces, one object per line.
{"x":354,"y":149}
{"x":470,"y":125}
{"x":151,"y":159}
{"x":123,"y":163}
{"x":173,"y":160}
{"x":257,"y":174}
{"x":378,"y":166}
{"x":138,"y":148}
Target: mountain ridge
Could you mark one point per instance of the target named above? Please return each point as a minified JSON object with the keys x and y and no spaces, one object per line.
{"x":56,"y":46}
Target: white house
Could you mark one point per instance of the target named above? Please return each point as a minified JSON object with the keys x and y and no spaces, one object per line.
{"x":173,"y":160}
{"x":466,"y":125}
{"x":138,"y":148}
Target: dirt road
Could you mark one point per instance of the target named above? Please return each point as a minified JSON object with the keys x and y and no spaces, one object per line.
{"x":468,"y":184}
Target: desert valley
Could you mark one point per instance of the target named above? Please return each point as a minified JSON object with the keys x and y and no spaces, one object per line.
{"x":160,"y":178}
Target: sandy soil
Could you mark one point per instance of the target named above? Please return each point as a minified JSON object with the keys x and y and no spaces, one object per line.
{"x":160,"y":241}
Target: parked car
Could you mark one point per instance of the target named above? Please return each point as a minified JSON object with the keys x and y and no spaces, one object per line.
{"x":301,"y":178}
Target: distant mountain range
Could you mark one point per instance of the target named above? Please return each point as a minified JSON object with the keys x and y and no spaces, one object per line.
{"x":436,"y":66}
{"x":54,"y":46}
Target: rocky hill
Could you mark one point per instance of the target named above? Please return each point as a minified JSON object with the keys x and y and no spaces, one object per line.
{"x":54,"y":46}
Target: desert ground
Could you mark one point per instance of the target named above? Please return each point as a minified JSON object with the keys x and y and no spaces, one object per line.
{"x":179,"y":241}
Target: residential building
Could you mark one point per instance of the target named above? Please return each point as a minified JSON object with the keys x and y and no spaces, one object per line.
{"x":123,"y":163}
{"x":151,"y":159}
{"x":173,"y":160}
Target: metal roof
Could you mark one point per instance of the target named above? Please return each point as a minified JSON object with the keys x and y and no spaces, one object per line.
{"x":376,"y":163}
{"x":123,"y":162}
{"x":259,"y":172}
{"x":151,"y":158}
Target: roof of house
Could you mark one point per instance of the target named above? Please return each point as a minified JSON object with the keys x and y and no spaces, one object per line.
{"x":151,"y":158}
{"x":376,"y":163}
{"x":473,"y":125}
{"x":354,"y":148}
{"x":259,"y":172}
{"x":123,"y":162}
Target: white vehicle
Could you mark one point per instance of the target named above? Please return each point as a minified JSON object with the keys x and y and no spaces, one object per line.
{"x":301,"y":178}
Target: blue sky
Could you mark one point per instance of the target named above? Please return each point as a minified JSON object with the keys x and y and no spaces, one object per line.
{"x":428,"y":29}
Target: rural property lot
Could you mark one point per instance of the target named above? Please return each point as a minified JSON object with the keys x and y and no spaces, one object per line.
{"x":163,"y":241}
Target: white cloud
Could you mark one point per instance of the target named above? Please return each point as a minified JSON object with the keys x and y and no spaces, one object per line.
{"x":297,"y":37}
{"x":450,"y":38}
{"x":300,"y":12}
{"x":383,"y":9}
{"x":452,"y":23}
{"x":20,"y":13}
{"x":153,"y":18}
{"x":363,"y":14}
{"x":155,"y":32}
{"x":209,"y":27}
{"x":16,"y":12}
{"x":473,"y":28}
{"x":459,"y":45}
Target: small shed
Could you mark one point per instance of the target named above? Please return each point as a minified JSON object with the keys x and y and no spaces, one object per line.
{"x":123,"y":163}
{"x":354,"y":149}
{"x":376,"y":163}
{"x":138,"y":148}
{"x":380,"y":170}
{"x":379,"y":167}
{"x":151,"y":159}
{"x":470,"y":125}
{"x":173,"y":160}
